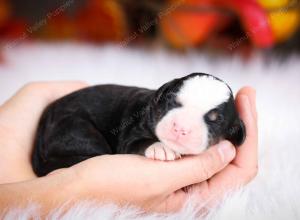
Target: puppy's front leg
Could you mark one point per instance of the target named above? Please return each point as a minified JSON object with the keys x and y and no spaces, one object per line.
{"x":158,"y":151}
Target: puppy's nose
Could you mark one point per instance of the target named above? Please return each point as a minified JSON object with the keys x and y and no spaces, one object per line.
{"x":180,"y":130}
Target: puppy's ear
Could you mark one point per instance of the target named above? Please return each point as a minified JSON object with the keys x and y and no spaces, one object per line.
{"x":237,"y":133}
{"x":163,"y":91}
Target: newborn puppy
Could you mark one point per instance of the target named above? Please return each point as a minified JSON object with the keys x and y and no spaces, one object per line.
{"x":183,"y":117}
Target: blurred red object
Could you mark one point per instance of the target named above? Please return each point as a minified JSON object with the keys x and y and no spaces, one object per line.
{"x":9,"y":27}
{"x":254,"y":19}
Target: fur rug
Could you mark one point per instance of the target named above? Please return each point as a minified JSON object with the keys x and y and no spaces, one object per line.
{"x":274,"y":194}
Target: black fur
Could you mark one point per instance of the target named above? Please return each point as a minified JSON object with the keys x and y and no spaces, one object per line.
{"x":112,"y":119}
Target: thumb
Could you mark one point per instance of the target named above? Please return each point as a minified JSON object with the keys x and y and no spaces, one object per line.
{"x":195,"y":169}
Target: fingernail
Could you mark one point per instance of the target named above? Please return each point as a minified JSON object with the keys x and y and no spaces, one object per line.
{"x":226,"y":151}
{"x":247,"y":106}
{"x":253,"y":104}
{"x":250,"y":101}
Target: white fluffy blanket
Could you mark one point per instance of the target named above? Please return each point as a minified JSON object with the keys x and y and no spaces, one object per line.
{"x":274,"y":194}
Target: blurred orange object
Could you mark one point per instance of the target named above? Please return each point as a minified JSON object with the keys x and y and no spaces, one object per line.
{"x":4,"y":12}
{"x":59,"y":27}
{"x":97,"y":21}
{"x":101,"y":21}
{"x":273,"y":4}
{"x":284,"y":25}
{"x":284,"y":17}
{"x":185,"y":27}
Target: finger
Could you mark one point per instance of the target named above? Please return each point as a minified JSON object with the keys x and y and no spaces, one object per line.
{"x":194,"y":169}
{"x":234,"y":175}
{"x":58,"y":89}
{"x":251,"y":93}
{"x":247,"y":153}
{"x":244,"y":166}
{"x":172,"y":203}
{"x":47,"y":92}
{"x":33,"y":97}
{"x":230,"y":179}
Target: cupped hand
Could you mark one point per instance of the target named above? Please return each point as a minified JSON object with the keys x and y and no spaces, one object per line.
{"x":161,"y":186}
{"x":152,"y":185}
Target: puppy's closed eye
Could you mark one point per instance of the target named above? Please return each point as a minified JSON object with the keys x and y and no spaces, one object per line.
{"x":214,"y":116}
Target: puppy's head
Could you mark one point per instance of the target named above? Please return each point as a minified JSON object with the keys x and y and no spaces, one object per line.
{"x":194,"y":112}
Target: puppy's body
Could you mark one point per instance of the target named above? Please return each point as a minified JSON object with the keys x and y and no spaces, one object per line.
{"x":105,"y":119}
{"x":112,"y":119}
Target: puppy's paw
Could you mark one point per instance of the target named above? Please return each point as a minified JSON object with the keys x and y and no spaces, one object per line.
{"x":158,"y":151}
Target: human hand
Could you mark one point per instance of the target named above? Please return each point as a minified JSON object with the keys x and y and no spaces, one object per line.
{"x":19,"y":117}
{"x":158,"y":185}
{"x":155,"y":185}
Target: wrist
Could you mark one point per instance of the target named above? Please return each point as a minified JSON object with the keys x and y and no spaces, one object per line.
{"x":47,"y":192}
{"x":64,"y":184}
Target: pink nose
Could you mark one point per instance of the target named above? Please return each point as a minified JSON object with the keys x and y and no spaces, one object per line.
{"x":180,"y":130}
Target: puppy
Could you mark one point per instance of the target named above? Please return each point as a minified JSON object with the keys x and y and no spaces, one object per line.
{"x":183,"y":117}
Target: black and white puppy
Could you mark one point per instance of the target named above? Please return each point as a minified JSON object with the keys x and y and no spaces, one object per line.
{"x":183,"y":117}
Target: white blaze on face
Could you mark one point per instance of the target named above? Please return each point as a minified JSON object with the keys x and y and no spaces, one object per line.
{"x":183,"y":129}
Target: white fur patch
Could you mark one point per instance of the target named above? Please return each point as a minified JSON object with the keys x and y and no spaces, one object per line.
{"x":198,"y":95}
{"x":193,"y":143}
{"x":203,"y":93}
